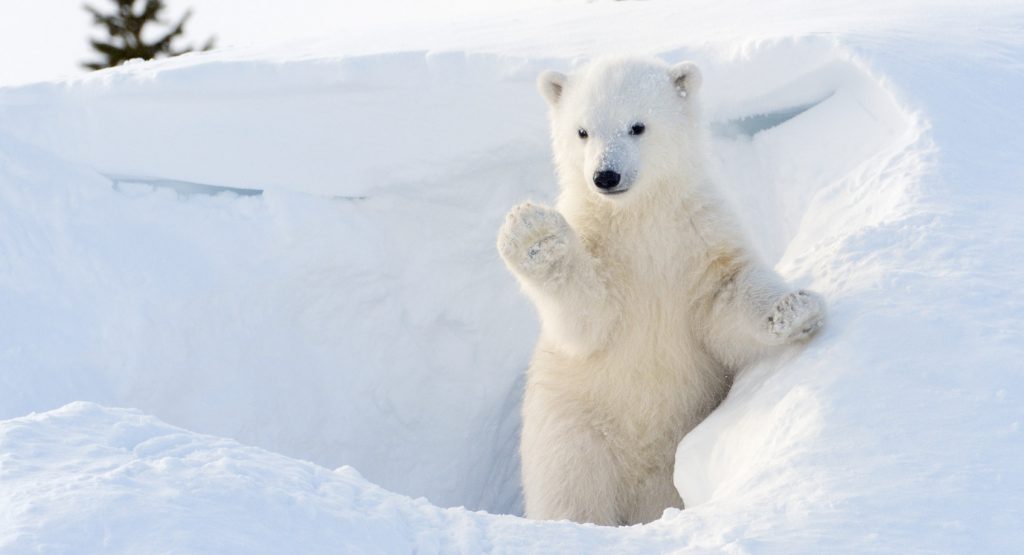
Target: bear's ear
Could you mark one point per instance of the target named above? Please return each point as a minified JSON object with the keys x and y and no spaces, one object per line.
{"x":551,"y":84}
{"x":686,"y":77}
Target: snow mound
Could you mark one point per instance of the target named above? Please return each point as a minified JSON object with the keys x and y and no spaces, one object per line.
{"x":296,"y":252}
{"x":90,"y":479}
{"x":105,"y":474}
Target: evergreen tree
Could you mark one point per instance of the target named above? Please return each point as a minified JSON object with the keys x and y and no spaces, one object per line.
{"x":125,"y":28}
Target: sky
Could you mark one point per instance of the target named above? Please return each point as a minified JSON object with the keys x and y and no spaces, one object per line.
{"x":47,"y":39}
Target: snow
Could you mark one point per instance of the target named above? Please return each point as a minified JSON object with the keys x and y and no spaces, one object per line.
{"x":293,"y":248}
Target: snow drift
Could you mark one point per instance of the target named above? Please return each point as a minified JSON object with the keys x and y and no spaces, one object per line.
{"x":294,"y":250}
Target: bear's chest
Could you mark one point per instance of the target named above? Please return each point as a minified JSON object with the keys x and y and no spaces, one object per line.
{"x":654,"y":281}
{"x":656,"y":359}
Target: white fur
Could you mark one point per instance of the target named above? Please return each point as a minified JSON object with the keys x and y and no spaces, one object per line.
{"x":649,"y":300}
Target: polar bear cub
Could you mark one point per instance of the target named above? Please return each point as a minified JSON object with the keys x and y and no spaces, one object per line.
{"x":648,"y":296}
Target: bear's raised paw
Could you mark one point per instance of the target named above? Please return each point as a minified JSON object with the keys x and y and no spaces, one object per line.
{"x":795,"y":317}
{"x":534,"y":238}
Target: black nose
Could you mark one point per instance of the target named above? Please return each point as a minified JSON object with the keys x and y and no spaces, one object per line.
{"x":606,"y":179}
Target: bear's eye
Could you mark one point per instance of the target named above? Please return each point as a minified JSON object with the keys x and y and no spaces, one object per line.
{"x":582,"y":133}
{"x":637,"y":129}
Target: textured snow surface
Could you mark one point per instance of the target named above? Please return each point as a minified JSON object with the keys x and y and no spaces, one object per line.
{"x":294,"y":249}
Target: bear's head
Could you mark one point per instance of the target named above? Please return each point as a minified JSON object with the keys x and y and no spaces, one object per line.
{"x":622,"y":126}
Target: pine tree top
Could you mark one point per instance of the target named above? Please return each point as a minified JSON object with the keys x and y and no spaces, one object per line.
{"x":126,"y":27}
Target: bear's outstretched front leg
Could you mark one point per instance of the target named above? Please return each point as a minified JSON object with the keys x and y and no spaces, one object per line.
{"x":559,"y":276}
{"x":754,"y":310}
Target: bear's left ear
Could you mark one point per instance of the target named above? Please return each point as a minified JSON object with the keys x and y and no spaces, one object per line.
{"x":686,"y":77}
{"x":551,"y":84}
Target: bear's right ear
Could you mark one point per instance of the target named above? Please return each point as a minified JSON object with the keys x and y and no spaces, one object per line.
{"x":551,"y":84}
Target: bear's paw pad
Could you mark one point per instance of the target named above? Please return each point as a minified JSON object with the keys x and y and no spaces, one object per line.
{"x":533,"y":237}
{"x":796,"y":316}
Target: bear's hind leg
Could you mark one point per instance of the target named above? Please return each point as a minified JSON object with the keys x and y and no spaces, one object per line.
{"x":568,"y":472}
{"x":650,"y":499}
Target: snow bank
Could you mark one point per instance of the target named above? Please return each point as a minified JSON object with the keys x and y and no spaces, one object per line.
{"x":89,"y":479}
{"x":332,"y":296}
{"x":294,"y":249}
